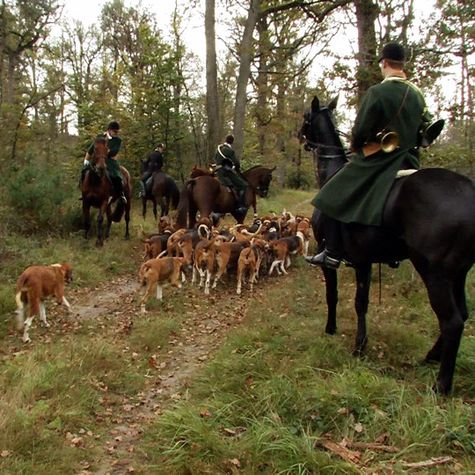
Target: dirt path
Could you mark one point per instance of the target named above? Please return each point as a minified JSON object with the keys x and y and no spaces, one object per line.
{"x":193,"y":345}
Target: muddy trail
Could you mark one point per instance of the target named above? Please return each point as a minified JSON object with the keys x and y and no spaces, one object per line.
{"x":114,"y":306}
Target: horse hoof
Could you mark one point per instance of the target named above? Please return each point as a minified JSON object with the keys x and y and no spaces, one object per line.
{"x":442,"y":389}
{"x":432,"y":357}
{"x":331,"y":330}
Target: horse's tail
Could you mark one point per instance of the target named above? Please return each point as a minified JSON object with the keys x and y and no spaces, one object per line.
{"x":175,"y":194}
{"x":183,"y":205}
{"x":118,"y":211}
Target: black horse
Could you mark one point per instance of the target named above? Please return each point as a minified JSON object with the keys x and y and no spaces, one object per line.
{"x":163,"y":191}
{"x":429,"y":217}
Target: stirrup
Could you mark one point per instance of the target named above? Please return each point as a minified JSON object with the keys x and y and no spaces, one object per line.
{"x":323,"y":259}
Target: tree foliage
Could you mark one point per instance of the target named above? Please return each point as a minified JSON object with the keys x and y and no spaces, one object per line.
{"x":61,"y":89}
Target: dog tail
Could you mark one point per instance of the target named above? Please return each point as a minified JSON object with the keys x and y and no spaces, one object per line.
{"x":163,"y":253}
{"x":20,"y":312}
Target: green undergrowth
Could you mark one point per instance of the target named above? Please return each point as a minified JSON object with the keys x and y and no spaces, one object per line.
{"x":279,"y":386}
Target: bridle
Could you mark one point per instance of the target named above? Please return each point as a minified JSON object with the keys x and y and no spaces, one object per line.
{"x":319,"y":147}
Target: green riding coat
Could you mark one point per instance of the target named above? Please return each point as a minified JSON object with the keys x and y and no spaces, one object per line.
{"x":227,"y":176}
{"x":357,"y":193}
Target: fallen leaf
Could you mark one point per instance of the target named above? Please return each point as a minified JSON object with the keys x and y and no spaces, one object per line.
{"x":152,"y":362}
{"x":351,"y":456}
{"x":359,"y":427}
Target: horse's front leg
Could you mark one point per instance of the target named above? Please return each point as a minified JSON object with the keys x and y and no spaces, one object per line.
{"x":100,"y":221}
{"x":86,"y":211}
{"x":331,"y":294}
{"x":166,"y":206}
{"x":155,"y":212}
{"x":363,"y":281}
{"x":127,"y":218}
{"x":108,"y":214}
{"x":254,"y":206}
{"x":144,"y":206}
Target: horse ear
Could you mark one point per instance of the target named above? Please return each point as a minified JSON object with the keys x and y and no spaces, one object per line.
{"x":315,"y":104}
{"x":272,"y":169}
{"x":333,"y":103}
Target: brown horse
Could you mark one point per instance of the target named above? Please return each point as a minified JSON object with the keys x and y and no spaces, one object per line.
{"x":98,"y":192}
{"x":164,"y":191}
{"x":204,"y":193}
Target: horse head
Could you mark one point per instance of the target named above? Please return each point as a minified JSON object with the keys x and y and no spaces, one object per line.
{"x":259,"y":178}
{"x":98,"y":162}
{"x":318,"y":131}
{"x":320,"y":136}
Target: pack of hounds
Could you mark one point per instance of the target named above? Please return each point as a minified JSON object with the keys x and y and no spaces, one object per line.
{"x":206,"y":252}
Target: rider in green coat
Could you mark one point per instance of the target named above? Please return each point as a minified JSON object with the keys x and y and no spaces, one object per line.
{"x":357,"y":193}
{"x":114,"y":143}
{"x":228,"y":170}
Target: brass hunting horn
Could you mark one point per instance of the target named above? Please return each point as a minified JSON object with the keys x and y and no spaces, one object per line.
{"x":388,"y":140}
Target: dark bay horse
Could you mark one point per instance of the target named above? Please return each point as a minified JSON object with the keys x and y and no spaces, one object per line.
{"x":204,"y":193}
{"x":429,"y":217}
{"x":164,"y":191}
{"x":98,"y":192}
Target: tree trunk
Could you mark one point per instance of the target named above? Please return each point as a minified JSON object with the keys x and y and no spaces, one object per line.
{"x":212,"y":103}
{"x":245,"y":58}
{"x":262,"y":84}
{"x":367,"y":73}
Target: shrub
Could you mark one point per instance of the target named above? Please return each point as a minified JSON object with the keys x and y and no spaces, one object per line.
{"x":298,"y":180}
{"x":38,"y":194}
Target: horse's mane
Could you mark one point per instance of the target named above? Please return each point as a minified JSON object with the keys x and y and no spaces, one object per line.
{"x":255,"y":166}
{"x":197,"y":171}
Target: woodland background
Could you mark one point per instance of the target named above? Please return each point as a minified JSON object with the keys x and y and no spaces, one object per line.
{"x":58,"y":91}
{"x":227,"y":384}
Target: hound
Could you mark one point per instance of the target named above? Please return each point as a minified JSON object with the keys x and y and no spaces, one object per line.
{"x":34,"y":285}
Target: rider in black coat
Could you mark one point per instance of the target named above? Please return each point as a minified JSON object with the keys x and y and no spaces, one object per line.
{"x":154,"y":163}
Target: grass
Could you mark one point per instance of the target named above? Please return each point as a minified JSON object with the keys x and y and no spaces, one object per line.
{"x":276,"y":387}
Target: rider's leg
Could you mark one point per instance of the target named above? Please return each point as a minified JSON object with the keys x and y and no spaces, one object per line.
{"x":331,"y":255}
{"x":143,"y":184}
{"x":119,"y":188}
{"x":242,"y":199}
{"x":115,"y":176}
{"x":84,"y":170}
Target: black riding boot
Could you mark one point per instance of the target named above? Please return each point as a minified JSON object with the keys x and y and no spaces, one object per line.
{"x":241,"y":198}
{"x":119,"y":189}
{"x":331,"y":255}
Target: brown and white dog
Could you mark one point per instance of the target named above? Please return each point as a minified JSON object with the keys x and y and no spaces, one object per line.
{"x":227,"y":255}
{"x":156,"y":272}
{"x":249,"y":263}
{"x":283,"y":248}
{"x":304,"y":227}
{"x":204,"y":263}
{"x":155,"y":245}
{"x":34,"y":285}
